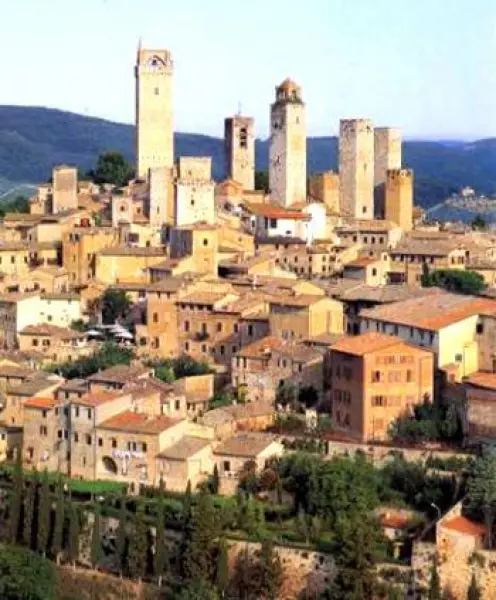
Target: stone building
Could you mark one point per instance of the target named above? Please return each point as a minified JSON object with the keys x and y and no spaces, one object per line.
{"x":324,"y":187}
{"x":288,"y":146}
{"x":239,"y":141}
{"x":154,"y":117}
{"x":387,"y":156}
{"x":480,"y":397}
{"x":161,"y":197}
{"x":399,"y":198}
{"x":194,"y":199}
{"x":64,"y":189}
{"x":374,"y":379}
{"x":356,"y":168}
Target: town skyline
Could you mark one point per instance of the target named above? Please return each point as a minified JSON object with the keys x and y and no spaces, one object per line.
{"x":334,"y":60}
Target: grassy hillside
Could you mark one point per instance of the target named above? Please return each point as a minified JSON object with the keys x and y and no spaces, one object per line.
{"x":33,"y":139}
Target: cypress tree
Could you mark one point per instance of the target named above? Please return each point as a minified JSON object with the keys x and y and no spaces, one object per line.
{"x":58,"y":526}
{"x":160,"y":558}
{"x":96,"y":542}
{"x":28,"y":530}
{"x":434,"y":592}
{"x":201,"y":542}
{"x":215,"y":480}
{"x":44,"y":506}
{"x":120,"y":541}
{"x":73,"y":537}
{"x":474,"y":592}
{"x":138,"y":545}
{"x":15,"y":504}
{"x":187,"y":503}
{"x":222,"y":569}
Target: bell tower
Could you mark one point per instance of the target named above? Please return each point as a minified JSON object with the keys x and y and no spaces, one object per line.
{"x":154,"y":115}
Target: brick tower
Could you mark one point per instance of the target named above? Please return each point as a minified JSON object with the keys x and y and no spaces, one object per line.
{"x":154,"y":124}
{"x":399,"y":197}
{"x":387,"y":155}
{"x":356,"y":168}
{"x":288,"y":146}
{"x":239,"y":141}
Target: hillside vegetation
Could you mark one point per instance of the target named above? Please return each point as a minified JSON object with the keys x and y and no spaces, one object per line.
{"x":33,"y":139}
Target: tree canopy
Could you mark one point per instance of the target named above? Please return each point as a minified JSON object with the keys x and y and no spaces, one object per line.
{"x":115,"y":306}
{"x":455,"y":280}
{"x":25,"y":575}
{"x":112,"y":167}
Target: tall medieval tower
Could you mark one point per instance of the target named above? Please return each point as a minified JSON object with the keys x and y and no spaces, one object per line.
{"x":154,"y":125}
{"x":356,"y":168}
{"x":239,"y":141}
{"x":288,"y":146}
{"x":387,"y":155}
{"x":399,"y":198}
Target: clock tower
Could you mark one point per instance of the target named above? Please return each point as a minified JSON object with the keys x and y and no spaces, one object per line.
{"x":288,"y":146}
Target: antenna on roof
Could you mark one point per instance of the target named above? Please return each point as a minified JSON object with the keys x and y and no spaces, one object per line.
{"x":239,"y":108}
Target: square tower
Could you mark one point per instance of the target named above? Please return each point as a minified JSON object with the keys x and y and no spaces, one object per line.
{"x":288,"y":146}
{"x":239,"y":143}
{"x":399,"y":198}
{"x":387,"y":155}
{"x":324,"y":187}
{"x":161,"y":196}
{"x":194,"y":199}
{"x":356,"y":168}
{"x":154,"y":123}
{"x":64,"y":188}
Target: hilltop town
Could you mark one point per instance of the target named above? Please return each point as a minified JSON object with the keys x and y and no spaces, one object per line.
{"x":163,"y":334}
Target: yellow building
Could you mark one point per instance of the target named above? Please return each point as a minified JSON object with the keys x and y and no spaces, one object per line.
{"x":126,"y":263}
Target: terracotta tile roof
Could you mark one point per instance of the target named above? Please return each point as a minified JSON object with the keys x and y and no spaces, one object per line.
{"x":15,"y":371}
{"x":261,"y":348}
{"x":427,"y":248}
{"x":41,"y":403}
{"x":96,"y":398}
{"x":246,"y":444}
{"x":465,"y":526}
{"x":360,"y":263}
{"x":60,"y":296}
{"x":120,"y":374}
{"x":365,"y":343}
{"x":132,"y":251}
{"x":298,"y":301}
{"x":201,"y":297}
{"x":431,"y":312}
{"x":52,"y":330}
{"x":133,"y":422}
{"x":272,"y":211}
{"x":482,"y":379}
{"x":366,"y":225}
{"x":185,"y":448}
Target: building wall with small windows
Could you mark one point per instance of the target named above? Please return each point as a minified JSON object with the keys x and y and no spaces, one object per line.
{"x":369,"y":392}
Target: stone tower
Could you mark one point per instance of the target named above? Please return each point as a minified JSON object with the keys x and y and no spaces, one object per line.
{"x":239,"y":141}
{"x":399,"y":197}
{"x":324,"y":187}
{"x":288,"y":146}
{"x":356,"y":168}
{"x":161,"y":196}
{"x":64,"y":188}
{"x":387,"y":155}
{"x":154,"y":126}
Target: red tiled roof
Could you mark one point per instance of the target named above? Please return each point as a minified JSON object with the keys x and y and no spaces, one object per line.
{"x":96,"y":398}
{"x":139,"y":423}
{"x":465,"y":526}
{"x":481,"y":379}
{"x":41,"y":403}
{"x":365,"y":343}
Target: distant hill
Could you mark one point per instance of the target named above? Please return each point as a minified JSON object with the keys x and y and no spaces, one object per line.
{"x":34,"y":139}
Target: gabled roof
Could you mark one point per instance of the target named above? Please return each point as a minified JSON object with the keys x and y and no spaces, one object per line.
{"x":133,"y":422}
{"x":245,"y":444}
{"x":366,"y":343}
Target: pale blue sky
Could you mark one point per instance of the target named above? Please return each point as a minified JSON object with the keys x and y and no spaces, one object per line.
{"x":427,"y":66}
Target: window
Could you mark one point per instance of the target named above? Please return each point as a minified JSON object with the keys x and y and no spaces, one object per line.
{"x":235,"y":328}
{"x":44,"y":414}
{"x":88,"y":439}
{"x":204,"y":347}
{"x":186,"y":326}
{"x":144,"y":447}
{"x":186,"y":346}
{"x":35,"y":342}
{"x":156,"y":91}
{"x":89,"y":413}
{"x":114,"y":443}
{"x":250,"y":330}
{"x":219,"y":327}
{"x":59,"y":434}
{"x":376,"y":376}
{"x":226,"y":465}
{"x":205,"y":241}
{"x":100,"y":442}
{"x":43,"y":430}
{"x":76,"y":437}
{"x":378,"y":401}
{"x":409,"y":376}
{"x":480,"y":328}
{"x":273,"y":223}
{"x":374,"y":272}
{"x":155,"y":317}
{"x":222,"y":350}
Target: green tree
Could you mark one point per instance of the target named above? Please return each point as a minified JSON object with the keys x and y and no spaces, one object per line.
{"x":434,"y":591}
{"x":308,"y":396}
{"x":112,"y":167}
{"x":19,"y":204}
{"x":481,"y":491}
{"x":262,"y":181}
{"x":138,"y":545}
{"x":215,"y":480}
{"x":28,"y":530}
{"x":474,"y":592}
{"x":270,"y":571}
{"x":73,"y":535}
{"x":161,"y":558}
{"x":243,"y":584}
{"x":425,"y":279}
{"x":197,"y":591}
{"x":44,"y":511}
{"x":116,"y":305}
{"x":201,"y":541}
{"x":78,"y":325}
{"x":58,"y":526}
{"x":222,"y":568}
{"x":359,"y":545}
{"x":121,"y":537}
{"x":457,"y":281}
{"x":15,"y":501}
{"x":96,"y":541}
{"x":479,"y":223}
{"x":108,"y":356}
{"x":25,"y":575}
